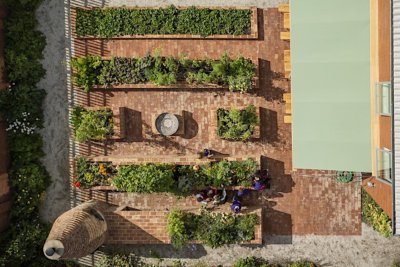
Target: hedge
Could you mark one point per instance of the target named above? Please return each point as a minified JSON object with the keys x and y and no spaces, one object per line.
{"x":211,"y":229}
{"x":374,"y":215}
{"x":259,"y":262}
{"x":237,"y":73}
{"x":21,"y":107}
{"x":114,"y":22}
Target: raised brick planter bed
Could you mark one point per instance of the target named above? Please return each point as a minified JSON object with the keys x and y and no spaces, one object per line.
{"x":128,"y":227}
{"x":178,"y":85}
{"x":253,"y":30}
{"x":214,"y":123}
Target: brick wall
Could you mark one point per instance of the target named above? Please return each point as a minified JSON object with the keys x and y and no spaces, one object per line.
{"x":5,"y":203}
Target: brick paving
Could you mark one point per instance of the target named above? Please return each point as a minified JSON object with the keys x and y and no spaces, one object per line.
{"x":298,"y":203}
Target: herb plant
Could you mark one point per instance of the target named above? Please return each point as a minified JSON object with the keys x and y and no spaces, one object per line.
{"x":114,"y":22}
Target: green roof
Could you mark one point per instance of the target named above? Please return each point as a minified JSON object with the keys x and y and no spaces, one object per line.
{"x":330,"y":53}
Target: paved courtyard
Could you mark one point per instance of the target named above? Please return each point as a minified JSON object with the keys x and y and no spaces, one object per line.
{"x":293,"y":202}
{"x":298,"y":203}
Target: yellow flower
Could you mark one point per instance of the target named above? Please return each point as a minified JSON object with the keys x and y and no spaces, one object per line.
{"x":102,"y":170}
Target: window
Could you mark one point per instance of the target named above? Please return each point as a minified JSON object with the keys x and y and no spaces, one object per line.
{"x":383,"y":98}
{"x":384,"y":164}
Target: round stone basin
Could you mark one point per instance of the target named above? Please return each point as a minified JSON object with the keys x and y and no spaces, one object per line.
{"x":167,"y":124}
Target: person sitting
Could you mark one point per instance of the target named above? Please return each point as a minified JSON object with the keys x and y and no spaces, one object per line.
{"x":236,"y":205}
{"x":201,"y":198}
{"x":242,"y":192}
{"x":207,"y":153}
{"x":259,"y":184}
{"x":220,"y":197}
{"x":206,"y":195}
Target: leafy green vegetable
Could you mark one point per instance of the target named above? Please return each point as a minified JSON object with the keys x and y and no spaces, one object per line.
{"x":114,"y":22}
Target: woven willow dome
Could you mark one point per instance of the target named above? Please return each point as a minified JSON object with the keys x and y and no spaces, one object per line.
{"x":77,"y":232}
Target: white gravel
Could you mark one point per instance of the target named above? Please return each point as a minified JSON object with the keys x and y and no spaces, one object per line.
{"x":368,"y":250}
{"x":55,"y":134}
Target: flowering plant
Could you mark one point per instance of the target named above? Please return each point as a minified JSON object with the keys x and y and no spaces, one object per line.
{"x":23,"y":125}
{"x":92,"y":173}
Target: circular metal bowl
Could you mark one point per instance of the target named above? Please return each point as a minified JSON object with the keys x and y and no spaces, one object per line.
{"x":167,"y":124}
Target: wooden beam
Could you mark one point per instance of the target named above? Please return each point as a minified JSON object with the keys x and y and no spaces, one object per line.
{"x":284,"y":8}
{"x":286,"y":20}
{"x":285,"y":36}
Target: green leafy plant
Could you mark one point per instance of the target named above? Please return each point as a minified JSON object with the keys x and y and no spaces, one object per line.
{"x":120,"y":260}
{"x":214,"y":230}
{"x":237,"y":74}
{"x":189,"y":178}
{"x":86,"y":71}
{"x":90,"y":174}
{"x":375,"y":216}
{"x":235,"y":124}
{"x":92,"y":124}
{"x":181,"y":227}
{"x":251,"y":262}
{"x":344,"y":176}
{"x":22,"y":243}
{"x":258,"y":262}
{"x":114,"y":22}
{"x":29,"y":182}
{"x":146,"y":178}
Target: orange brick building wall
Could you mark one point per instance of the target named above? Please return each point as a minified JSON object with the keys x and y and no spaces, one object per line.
{"x":5,"y":202}
{"x":381,"y":192}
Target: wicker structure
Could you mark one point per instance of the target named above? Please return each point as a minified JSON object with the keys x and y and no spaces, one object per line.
{"x":77,"y":232}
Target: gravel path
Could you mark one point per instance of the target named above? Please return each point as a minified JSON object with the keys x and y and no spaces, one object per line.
{"x":55,"y":134}
{"x":370,"y":249}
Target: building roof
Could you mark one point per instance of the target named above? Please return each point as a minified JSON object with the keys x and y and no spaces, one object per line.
{"x":330,"y":50}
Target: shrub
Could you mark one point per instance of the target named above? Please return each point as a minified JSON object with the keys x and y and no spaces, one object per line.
{"x":375,"y":216}
{"x":237,"y":124}
{"x":250,"y":262}
{"x":181,"y":227}
{"x":120,"y":260}
{"x":146,"y":178}
{"x":214,"y":230}
{"x":25,"y":149}
{"x":258,"y":262}
{"x":237,"y":74}
{"x":92,"y":124}
{"x":28,"y":109}
{"x":344,"y":176}
{"x":196,"y":21}
{"x":19,"y":251}
{"x":28,"y":182}
{"x":93,"y":173}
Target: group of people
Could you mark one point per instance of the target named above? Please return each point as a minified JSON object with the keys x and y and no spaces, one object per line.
{"x":219,"y":196}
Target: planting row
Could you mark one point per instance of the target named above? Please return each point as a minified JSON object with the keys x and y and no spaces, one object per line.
{"x":98,"y":125}
{"x":211,"y":229}
{"x":177,"y":179}
{"x":115,"y":22}
{"x":237,"y":74}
